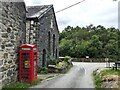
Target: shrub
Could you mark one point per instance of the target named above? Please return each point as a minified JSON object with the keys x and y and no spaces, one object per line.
{"x":54,"y":62}
{"x":42,"y":70}
{"x":67,"y":58}
{"x":61,"y":64}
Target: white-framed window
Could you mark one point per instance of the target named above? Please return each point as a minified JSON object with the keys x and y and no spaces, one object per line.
{"x":51,"y":23}
{"x":32,"y":22}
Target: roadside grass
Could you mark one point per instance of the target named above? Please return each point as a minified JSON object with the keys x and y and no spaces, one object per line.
{"x":77,"y":60}
{"x":98,"y":76}
{"x":21,"y":85}
{"x":97,"y":79}
{"x":110,"y":72}
{"x":50,"y":77}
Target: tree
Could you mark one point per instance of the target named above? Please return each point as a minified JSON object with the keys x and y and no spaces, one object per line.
{"x":95,"y":46}
{"x":90,"y":40}
{"x":65,"y":46}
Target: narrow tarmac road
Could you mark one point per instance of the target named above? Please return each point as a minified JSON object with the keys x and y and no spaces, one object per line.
{"x":79,"y":76}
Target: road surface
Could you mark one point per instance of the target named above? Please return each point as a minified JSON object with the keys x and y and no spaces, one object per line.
{"x":79,"y":76}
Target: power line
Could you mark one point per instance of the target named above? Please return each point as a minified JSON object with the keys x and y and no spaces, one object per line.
{"x":70,"y":6}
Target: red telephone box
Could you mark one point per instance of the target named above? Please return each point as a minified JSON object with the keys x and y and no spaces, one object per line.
{"x":28,"y":64}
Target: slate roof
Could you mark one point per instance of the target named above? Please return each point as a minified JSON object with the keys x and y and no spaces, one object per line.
{"x":37,"y":11}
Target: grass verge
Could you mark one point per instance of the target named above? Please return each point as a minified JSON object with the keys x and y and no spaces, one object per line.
{"x":21,"y":85}
{"x":49,"y":77}
{"x":110,"y":72}
{"x":99,"y":76}
{"x":97,"y":79}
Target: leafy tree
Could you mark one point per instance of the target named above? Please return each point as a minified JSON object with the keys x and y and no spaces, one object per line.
{"x":65,"y":47}
{"x":93,"y":41}
{"x":95,"y":46}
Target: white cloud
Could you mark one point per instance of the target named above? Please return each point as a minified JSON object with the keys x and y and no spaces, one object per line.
{"x":104,"y":12}
{"x":28,"y":2}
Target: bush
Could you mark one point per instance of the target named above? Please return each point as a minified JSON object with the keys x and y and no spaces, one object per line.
{"x":42,"y":70}
{"x":53,"y":62}
{"x":67,"y":58}
{"x":61,"y":64}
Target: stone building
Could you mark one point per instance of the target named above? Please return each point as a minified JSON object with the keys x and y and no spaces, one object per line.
{"x":42,"y":30}
{"x":12,"y":35}
{"x":38,"y":27}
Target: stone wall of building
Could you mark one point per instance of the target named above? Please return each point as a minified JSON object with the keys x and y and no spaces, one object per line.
{"x":46,"y":34}
{"x":48,"y":30}
{"x":15,"y":30}
{"x":32,"y":32}
{"x":12,"y":35}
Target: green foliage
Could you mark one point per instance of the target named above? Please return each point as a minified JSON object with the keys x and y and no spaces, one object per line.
{"x":98,"y":77}
{"x":17,"y":85}
{"x":61,"y":64}
{"x":96,"y":42}
{"x":21,"y":85}
{"x":66,"y":58}
{"x":97,"y":80}
{"x":42,"y":70}
{"x":110,"y":72}
{"x":65,"y":46}
{"x":53,"y":62}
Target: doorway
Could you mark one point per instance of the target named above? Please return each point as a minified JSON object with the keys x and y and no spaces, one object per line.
{"x":43,"y":58}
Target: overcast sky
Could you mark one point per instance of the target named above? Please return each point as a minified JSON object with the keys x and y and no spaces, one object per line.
{"x":96,"y":12}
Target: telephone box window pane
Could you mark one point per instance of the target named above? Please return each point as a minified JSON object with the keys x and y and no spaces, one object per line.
{"x":26,"y":48}
{"x":35,"y":56}
{"x":25,"y":60}
{"x":34,"y":48}
{"x":25,"y":55}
